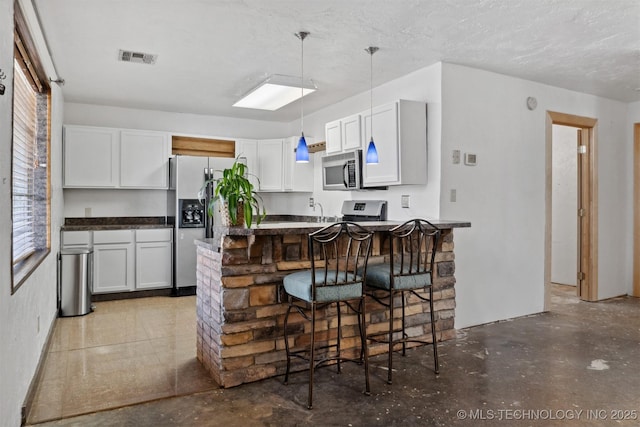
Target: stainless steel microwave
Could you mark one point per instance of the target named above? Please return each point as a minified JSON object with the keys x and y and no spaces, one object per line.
{"x":342,"y":171}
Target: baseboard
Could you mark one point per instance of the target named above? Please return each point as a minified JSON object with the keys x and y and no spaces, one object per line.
{"x":33,"y":386}
{"x":184,"y":291}
{"x":130,"y":295}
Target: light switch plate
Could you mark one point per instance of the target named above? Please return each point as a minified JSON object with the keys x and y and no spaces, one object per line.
{"x":455,"y":157}
{"x":453,"y":195}
{"x":405,"y":200}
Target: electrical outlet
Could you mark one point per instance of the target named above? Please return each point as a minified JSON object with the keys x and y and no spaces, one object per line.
{"x":404,"y":200}
{"x":311,"y":202}
{"x":87,"y":212}
{"x":453,"y":196}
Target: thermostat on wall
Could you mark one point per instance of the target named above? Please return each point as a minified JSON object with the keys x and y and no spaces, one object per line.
{"x":470,"y":159}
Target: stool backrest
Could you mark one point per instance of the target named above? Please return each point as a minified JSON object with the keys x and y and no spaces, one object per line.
{"x":413,"y":247}
{"x":337,"y":251}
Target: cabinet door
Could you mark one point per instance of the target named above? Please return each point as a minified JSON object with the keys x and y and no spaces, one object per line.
{"x":143,"y":159}
{"x":270,"y":164}
{"x":247,"y":148}
{"x":153,"y":265}
{"x":385,"y":136}
{"x":351,"y":136}
{"x":333,"y":137}
{"x":90,"y":157}
{"x":113,"y":268}
{"x":296,"y":176}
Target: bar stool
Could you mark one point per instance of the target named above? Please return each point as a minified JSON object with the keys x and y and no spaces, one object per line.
{"x":336,"y":252}
{"x":412,"y":250}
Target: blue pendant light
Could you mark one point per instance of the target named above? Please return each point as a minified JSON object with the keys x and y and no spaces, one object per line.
{"x":302,"y":151}
{"x":372,"y":152}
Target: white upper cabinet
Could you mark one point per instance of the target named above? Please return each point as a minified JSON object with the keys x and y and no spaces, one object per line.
{"x":296,"y":176}
{"x":400,"y":136}
{"x":91,"y":157}
{"x":343,"y":135}
{"x":333,"y":136}
{"x":351,"y":136}
{"x":247,"y":149}
{"x":96,"y":157}
{"x":276,"y":165}
{"x":143,"y":159}
{"x":270,"y":164}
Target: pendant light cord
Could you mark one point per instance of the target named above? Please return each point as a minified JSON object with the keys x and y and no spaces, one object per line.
{"x":371,"y":50}
{"x":302,"y":35}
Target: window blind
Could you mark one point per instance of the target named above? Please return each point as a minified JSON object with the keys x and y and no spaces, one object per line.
{"x":24,"y":164}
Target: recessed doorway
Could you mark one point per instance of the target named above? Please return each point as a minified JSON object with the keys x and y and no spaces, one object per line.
{"x":585,"y":212}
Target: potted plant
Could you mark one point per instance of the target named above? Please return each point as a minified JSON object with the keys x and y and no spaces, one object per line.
{"x":238,"y":201}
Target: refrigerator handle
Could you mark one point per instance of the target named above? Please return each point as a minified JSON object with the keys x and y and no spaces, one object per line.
{"x":208,"y":194}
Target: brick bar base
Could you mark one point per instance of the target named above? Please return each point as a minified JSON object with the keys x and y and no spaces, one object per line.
{"x":241,"y":306}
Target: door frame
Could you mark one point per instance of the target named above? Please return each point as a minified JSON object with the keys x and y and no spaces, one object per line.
{"x":588,"y":249}
{"x":636,"y":210}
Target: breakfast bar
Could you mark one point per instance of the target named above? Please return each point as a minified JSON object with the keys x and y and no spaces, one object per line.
{"x":241,"y":303}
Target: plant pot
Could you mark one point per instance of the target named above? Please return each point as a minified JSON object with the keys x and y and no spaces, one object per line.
{"x":225,"y":218}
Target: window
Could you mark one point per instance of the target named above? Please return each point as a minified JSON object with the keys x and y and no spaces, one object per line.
{"x":30,"y":175}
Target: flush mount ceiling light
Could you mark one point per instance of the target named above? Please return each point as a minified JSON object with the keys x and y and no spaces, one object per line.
{"x":275,"y":92}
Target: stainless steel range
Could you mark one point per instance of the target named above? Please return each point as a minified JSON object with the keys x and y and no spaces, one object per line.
{"x":364,"y":210}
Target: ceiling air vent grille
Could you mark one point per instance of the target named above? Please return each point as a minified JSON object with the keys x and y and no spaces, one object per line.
{"x":138,"y":57}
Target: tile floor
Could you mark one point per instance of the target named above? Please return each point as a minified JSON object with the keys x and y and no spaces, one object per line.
{"x":125,"y":352}
{"x":574,"y":366}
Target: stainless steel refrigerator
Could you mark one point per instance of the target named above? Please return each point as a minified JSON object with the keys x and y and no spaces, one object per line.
{"x":187,"y":211}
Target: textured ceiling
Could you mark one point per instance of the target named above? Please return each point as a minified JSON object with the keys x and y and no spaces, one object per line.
{"x":211,"y":52}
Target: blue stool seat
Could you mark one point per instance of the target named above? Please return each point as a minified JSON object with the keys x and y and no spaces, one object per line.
{"x":300,"y":286}
{"x":378,"y":277}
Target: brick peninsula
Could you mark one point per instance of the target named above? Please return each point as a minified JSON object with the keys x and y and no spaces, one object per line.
{"x":241,"y":303}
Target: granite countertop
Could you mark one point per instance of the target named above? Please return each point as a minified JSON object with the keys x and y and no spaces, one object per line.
{"x":304,"y":227}
{"x":114,"y":223}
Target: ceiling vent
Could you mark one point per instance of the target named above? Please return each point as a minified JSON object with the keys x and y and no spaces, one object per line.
{"x":138,"y":57}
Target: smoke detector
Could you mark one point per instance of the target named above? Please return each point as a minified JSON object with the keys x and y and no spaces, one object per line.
{"x":138,"y":57}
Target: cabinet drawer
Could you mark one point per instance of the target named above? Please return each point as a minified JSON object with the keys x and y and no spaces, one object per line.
{"x":153,"y":235}
{"x":112,"y":236}
{"x":76,"y":238}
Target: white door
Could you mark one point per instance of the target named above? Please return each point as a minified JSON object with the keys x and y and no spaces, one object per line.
{"x":143,"y":159}
{"x":385,"y":136}
{"x":153,"y":265}
{"x":270,"y":164}
{"x":90,"y":157}
{"x":113,"y":268}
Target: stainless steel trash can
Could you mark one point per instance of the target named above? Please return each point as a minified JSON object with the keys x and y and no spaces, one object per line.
{"x":75,"y":280}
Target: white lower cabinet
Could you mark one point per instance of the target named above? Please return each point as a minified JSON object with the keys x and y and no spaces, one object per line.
{"x":153,"y":259}
{"x":113,"y":261}
{"x":129,"y":260}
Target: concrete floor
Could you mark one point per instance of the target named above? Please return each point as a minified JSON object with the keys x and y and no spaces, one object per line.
{"x":577,"y":365}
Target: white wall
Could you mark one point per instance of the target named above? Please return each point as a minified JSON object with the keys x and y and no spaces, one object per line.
{"x":564,"y":202}
{"x":22,"y":343}
{"x":500,"y":259}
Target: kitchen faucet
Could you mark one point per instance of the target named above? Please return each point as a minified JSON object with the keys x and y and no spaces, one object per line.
{"x":321,"y":217}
